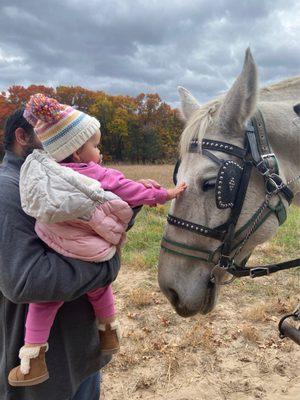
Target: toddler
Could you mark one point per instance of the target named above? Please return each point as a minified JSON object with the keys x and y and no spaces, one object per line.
{"x":82,"y":211}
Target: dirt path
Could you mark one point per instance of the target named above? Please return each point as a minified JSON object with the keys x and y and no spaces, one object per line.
{"x":232,"y":354}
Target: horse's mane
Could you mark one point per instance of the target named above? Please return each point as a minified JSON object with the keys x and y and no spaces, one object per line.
{"x":286,"y":90}
{"x":286,"y":83}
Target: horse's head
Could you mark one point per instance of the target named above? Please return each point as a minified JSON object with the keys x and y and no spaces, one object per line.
{"x":184,"y":278}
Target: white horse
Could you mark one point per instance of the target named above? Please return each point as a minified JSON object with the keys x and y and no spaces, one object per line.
{"x":186,"y":280}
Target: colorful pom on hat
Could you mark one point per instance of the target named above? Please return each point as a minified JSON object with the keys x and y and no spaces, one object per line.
{"x":61,"y":128}
{"x":44,"y":108}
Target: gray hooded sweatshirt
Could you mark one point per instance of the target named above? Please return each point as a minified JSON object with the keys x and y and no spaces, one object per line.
{"x":30,"y":272}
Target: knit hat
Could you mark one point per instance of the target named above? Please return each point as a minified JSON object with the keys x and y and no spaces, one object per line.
{"x":62,"y":129}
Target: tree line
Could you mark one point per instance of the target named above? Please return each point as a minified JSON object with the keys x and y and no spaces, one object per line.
{"x":141,"y":129}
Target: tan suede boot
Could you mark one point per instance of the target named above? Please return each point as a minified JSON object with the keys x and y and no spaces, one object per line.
{"x":32,"y":370}
{"x":109,"y":335}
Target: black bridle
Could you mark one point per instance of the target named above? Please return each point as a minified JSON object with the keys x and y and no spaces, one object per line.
{"x":231,"y":187}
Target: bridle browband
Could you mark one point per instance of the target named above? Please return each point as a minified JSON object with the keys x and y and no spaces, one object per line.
{"x":231,"y":186}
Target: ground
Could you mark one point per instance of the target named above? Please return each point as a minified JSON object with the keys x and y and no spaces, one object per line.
{"x":234,"y":353}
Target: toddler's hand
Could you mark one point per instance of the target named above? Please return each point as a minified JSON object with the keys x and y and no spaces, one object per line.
{"x":176,"y":192}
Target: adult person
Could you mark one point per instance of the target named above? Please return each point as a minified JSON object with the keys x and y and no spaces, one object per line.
{"x":30,"y":272}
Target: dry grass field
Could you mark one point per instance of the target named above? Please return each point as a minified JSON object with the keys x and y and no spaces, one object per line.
{"x":234,"y":353}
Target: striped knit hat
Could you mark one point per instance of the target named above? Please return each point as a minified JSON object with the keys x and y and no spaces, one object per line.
{"x":62,"y":129}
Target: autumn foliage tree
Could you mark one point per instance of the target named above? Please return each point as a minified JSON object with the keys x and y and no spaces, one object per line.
{"x":75,"y":96}
{"x":134,"y":129}
{"x":6,"y":108}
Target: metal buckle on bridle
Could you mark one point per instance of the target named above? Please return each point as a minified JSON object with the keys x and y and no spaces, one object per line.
{"x":214,"y":280}
{"x":275,"y":186}
{"x":262,"y":162}
{"x":266,"y":164}
{"x":252,"y":272}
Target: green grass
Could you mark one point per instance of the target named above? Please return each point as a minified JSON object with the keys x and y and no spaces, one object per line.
{"x":288,"y":235}
{"x":143,"y":240}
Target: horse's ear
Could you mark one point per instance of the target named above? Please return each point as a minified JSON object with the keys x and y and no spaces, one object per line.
{"x":240,"y":102}
{"x":297,"y":109}
{"x":188,"y":103}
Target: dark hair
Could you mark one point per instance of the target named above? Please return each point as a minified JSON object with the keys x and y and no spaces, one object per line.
{"x":14,"y":121}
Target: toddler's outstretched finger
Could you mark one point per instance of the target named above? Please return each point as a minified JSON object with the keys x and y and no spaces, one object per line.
{"x":182,"y":186}
{"x":180,"y":189}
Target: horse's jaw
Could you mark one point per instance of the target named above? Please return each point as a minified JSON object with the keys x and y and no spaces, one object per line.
{"x":188,"y":288}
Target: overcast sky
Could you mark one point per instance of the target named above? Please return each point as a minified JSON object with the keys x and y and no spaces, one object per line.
{"x":133,"y":46}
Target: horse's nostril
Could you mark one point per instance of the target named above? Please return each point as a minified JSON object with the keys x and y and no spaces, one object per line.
{"x":173,"y":296}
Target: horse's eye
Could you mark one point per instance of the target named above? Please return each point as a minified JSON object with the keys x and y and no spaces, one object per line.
{"x":209,"y":184}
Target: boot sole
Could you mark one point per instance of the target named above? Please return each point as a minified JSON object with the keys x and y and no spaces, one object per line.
{"x":30,"y":382}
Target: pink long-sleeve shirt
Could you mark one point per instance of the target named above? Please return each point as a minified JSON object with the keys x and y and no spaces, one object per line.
{"x":134,"y":193}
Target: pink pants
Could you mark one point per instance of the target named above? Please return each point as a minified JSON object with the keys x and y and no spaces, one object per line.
{"x":41,"y":316}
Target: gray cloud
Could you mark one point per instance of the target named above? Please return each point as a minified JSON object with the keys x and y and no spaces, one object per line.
{"x":132,"y":46}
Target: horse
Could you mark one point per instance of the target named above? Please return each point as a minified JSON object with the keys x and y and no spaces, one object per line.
{"x":223,"y":215}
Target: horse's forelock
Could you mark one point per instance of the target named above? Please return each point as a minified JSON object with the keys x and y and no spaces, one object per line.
{"x":197,"y":125}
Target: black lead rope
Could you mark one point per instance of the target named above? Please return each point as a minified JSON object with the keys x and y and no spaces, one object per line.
{"x":261,"y":270}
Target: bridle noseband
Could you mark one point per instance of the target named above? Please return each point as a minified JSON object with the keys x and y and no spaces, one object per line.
{"x":231,"y":187}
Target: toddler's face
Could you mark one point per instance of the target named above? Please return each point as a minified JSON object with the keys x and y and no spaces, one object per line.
{"x":90,"y":152}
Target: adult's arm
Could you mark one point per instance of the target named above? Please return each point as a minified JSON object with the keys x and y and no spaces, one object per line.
{"x":30,"y":271}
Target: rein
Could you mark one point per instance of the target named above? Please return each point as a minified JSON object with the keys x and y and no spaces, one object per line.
{"x":231,"y":186}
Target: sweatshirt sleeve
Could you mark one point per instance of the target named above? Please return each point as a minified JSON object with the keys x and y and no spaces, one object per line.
{"x":134,"y":193}
{"x":30,"y":271}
